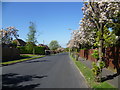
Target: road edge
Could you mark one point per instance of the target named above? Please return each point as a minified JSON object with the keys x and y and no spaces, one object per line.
{"x":79,"y":71}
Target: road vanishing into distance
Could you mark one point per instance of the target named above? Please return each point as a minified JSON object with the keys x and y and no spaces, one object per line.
{"x":55,"y":71}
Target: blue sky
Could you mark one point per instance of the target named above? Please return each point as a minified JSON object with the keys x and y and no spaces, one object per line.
{"x":52,"y":19}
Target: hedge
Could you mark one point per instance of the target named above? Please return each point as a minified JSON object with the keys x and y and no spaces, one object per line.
{"x":25,"y":50}
{"x":40,"y":50}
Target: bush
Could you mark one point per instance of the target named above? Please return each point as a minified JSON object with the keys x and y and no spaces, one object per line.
{"x":95,"y":54}
{"x":97,"y":69}
{"x":22,"y":49}
{"x":28,"y":50}
{"x":40,"y":50}
{"x":83,"y":49}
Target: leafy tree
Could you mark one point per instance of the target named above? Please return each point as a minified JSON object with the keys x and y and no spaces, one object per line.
{"x":108,"y":36}
{"x":99,"y":15}
{"x":32,"y":36}
{"x":7,"y":35}
{"x":30,"y":46}
{"x":93,"y":27}
{"x":115,"y":26}
{"x":54,"y":45}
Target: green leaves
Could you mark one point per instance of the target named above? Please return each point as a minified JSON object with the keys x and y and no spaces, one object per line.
{"x":54,"y":45}
{"x":95,"y":54}
{"x":101,"y":64}
{"x":31,"y":36}
{"x":32,"y":33}
{"x":95,"y":69}
{"x":28,"y":50}
{"x":109,"y":37}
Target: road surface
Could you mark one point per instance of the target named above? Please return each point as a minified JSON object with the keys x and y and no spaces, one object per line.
{"x":56,"y":71}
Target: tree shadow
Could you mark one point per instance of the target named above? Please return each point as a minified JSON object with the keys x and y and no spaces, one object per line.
{"x":13,"y":81}
{"x":21,"y":57}
{"x":21,"y":87}
{"x":28,"y":61}
{"x":116,"y":61}
{"x":35,"y":61}
{"x":113,"y":54}
{"x":62,"y":54}
{"x":109,"y":77}
{"x":86,"y":53}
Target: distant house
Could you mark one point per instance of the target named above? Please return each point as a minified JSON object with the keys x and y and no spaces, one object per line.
{"x":19,"y":42}
{"x":46,"y":47}
{"x":41,"y":45}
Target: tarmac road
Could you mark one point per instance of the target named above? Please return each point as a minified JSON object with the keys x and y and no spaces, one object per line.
{"x":55,"y":71}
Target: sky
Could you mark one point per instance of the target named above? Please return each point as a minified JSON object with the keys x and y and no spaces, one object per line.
{"x":52,"y":19}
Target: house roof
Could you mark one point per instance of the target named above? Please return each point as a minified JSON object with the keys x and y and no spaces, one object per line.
{"x":20,"y":42}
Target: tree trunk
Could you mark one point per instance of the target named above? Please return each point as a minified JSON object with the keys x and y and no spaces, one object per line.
{"x":101,"y":44}
{"x":101,"y":49}
{"x":33,"y":50}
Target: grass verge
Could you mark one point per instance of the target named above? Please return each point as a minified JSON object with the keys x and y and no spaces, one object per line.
{"x":20,"y":60}
{"x":89,"y":76}
{"x":27,"y":55}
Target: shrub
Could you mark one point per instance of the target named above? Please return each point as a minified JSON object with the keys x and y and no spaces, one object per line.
{"x":95,"y":54}
{"x":97,"y":69}
{"x":40,"y":50}
{"x":22,"y":49}
{"x":28,"y":50}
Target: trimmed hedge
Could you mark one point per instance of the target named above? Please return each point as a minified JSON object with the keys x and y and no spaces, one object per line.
{"x":40,"y":50}
{"x":25,"y":50}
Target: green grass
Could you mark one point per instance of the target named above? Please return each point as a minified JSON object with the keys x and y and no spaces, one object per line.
{"x":28,"y":55}
{"x":89,"y":76}
{"x":20,"y":60}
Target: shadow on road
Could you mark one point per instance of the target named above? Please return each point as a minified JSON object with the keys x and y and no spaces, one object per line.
{"x":109,"y":77}
{"x":14,"y":81}
{"x":63,"y":54}
{"x":21,"y":57}
{"x":29,"y":61}
{"x":35,"y":61}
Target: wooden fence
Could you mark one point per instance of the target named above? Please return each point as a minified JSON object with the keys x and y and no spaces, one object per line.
{"x":112,"y":56}
{"x":10,"y":53}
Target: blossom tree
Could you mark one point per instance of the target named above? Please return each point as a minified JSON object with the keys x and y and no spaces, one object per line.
{"x":7,"y":34}
{"x":83,"y":36}
{"x":94,"y":26}
{"x":99,"y":15}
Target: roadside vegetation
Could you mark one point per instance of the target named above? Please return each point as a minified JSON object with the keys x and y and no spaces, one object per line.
{"x":53,"y":45}
{"x":99,"y":29}
{"x":89,"y":76}
{"x":26,"y":57}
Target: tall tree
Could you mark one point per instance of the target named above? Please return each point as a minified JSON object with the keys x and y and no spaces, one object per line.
{"x":97,"y":16}
{"x":100,"y":14}
{"x":54,"y":45}
{"x":31,"y":36}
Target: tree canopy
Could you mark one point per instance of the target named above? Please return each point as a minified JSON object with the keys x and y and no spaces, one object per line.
{"x":99,"y":26}
{"x":7,"y":34}
{"x":53,"y":45}
{"x":31,"y":36}
{"x":31,"y":39}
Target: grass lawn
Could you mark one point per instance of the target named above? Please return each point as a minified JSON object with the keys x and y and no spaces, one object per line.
{"x":89,"y":76}
{"x":23,"y":58}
